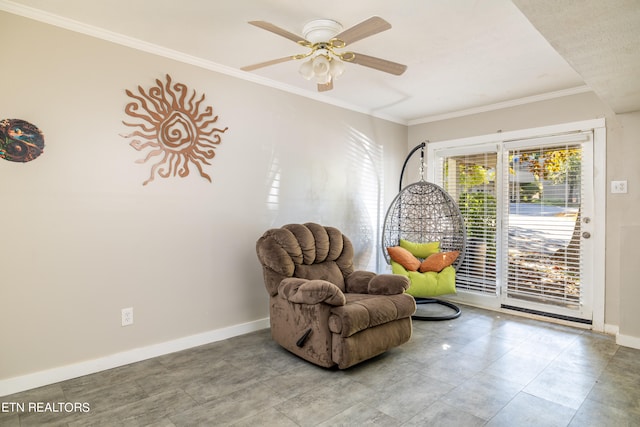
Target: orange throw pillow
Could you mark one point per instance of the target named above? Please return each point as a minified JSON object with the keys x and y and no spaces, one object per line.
{"x":404,"y":258}
{"x":437,"y":262}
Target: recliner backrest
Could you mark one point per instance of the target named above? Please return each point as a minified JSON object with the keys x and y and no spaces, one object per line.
{"x":308,"y":251}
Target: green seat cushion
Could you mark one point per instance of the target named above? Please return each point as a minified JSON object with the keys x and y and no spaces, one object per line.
{"x":429,"y":284}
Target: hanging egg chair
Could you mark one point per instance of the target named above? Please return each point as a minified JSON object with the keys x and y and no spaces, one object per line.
{"x":424,"y":220}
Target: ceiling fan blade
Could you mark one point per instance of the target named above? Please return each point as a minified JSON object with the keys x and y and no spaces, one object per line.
{"x":369,"y":27}
{"x":378,"y":64}
{"x":277,"y":30}
{"x":266,"y":63}
{"x":323,"y":87}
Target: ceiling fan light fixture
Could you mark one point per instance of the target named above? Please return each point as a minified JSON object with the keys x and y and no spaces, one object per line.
{"x":322,"y":68}
{"x":336,"y":67}
{"x":323,"y":79}
{"x":321,"y":65}
{"x":306,"y":69}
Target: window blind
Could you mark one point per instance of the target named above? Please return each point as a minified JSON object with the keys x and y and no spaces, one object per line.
{"x":471,"y":180}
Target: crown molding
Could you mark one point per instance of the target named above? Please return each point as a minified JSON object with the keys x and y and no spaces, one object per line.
{"x":501,"y":105}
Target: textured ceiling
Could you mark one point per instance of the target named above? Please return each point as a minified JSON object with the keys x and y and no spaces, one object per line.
{"x":463,"y":56}
{"x":600,"y":39}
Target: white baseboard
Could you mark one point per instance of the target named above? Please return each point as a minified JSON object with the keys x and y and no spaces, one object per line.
{"x":611,"y":329}
{"x":628,"y":341}
{"x":621,"y":339}
{"x":62,"y":373}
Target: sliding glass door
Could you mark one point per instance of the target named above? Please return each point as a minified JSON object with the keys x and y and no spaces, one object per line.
{"x":528,"y":208}
{"x":547,"y":208}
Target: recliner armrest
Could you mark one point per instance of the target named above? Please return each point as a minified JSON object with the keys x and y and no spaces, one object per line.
{"x":303,"y":291}
{"x":388,"y":284}
{"x":358,"y":282}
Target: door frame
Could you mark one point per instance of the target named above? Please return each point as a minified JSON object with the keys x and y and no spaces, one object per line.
{"x":599,"y":196}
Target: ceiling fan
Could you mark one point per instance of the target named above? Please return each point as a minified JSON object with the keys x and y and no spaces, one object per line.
{"x":325,"y":39}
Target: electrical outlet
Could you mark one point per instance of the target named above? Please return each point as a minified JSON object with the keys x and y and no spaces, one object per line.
{"x":127,"y":316}
{"x":619,"y":187}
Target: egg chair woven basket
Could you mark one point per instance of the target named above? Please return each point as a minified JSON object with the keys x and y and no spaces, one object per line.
{"x":424,"y":212}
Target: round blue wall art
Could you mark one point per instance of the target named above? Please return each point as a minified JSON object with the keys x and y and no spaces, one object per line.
{"x":20,"y":141}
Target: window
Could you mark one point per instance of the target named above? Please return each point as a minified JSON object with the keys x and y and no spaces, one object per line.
{"x":471,"y":180}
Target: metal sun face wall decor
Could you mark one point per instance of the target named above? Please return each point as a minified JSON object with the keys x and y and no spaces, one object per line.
{"x":20,"y":141}
{"x":174,"y":128}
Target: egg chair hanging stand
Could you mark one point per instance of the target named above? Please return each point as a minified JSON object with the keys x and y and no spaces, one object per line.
{"x":425,"y":212}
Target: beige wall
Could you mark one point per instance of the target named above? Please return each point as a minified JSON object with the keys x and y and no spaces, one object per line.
{"x":623,"y":231}
{"x":621,"y":290}
{"x":83,"y":238}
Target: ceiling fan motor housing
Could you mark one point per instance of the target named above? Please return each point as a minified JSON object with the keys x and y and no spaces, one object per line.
{"x":321,"y":30}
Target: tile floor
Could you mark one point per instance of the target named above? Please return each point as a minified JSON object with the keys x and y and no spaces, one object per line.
{"x":482,"y":369}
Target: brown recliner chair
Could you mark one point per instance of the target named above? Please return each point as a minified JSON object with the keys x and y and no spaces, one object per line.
{"x":321,"y":309}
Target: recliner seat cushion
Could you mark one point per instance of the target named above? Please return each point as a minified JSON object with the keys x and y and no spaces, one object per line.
{"x":364,"y":311}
